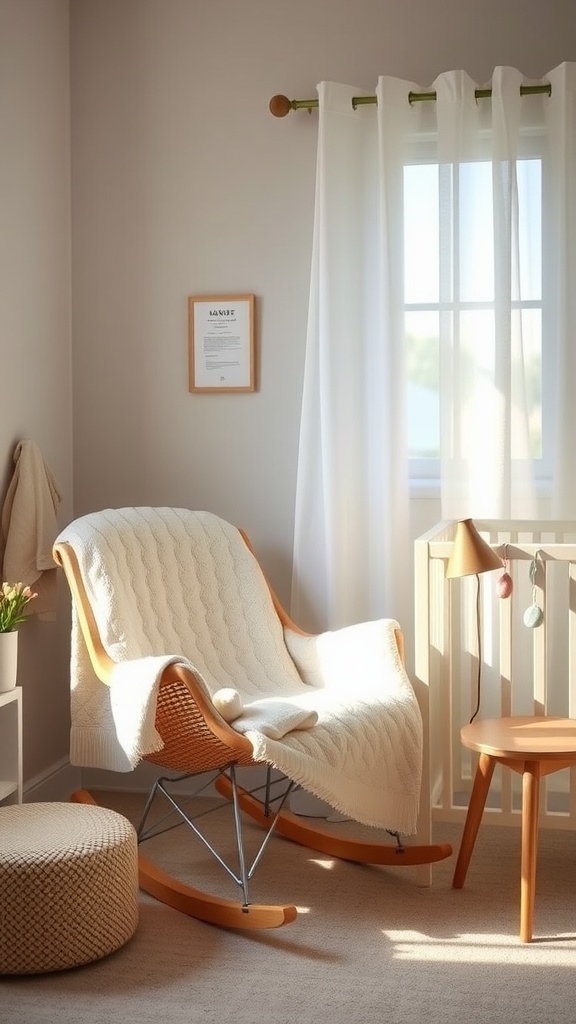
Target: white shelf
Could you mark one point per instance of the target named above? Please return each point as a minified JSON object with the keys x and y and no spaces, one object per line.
{"x":11,"y":745}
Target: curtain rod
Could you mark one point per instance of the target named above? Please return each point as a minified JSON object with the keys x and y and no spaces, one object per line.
{"x":280,"y":105}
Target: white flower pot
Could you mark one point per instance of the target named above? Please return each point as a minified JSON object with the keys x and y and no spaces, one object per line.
{"x":8,"y":660}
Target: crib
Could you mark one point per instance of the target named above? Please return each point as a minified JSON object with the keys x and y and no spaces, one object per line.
{"x":518,"y":669}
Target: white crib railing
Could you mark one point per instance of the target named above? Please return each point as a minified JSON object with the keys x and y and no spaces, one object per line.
{"x":523,"y":670}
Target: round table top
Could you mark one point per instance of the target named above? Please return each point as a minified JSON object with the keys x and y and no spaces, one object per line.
{"x":524,"y":737}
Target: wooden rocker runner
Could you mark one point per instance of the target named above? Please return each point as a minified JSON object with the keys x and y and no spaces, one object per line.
{"x":183,"y":656}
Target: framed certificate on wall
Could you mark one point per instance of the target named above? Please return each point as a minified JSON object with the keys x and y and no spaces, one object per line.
{"x":221,"y":343}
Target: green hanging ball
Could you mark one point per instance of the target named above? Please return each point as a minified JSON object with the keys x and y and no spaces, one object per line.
{"x":533,"y":616}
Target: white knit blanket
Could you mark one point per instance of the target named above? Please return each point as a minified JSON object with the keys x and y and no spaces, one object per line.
{"x":171,"y":585}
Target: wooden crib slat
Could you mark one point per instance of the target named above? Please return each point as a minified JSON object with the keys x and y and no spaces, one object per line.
{"x":519,"y":671}
{"x":572,"y":640}
{"x":539,"y":648}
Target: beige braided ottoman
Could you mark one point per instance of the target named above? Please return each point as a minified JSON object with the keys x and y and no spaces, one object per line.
{"x":68,"y":885}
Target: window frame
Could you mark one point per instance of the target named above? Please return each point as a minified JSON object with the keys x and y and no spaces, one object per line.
{"x":425,"y":472}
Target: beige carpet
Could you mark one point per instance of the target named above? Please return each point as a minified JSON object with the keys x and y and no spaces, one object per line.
{"x":369,"y":946}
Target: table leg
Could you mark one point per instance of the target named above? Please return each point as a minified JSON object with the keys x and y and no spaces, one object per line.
{"x":482,"y":780}
{"x":530,"y":805}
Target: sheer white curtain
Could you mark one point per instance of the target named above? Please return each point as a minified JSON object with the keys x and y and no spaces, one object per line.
{"x":351,"y":538}
{"x":497,"y":280}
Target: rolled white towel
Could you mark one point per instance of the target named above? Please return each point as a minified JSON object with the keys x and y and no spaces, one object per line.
{"x":274,"y":717}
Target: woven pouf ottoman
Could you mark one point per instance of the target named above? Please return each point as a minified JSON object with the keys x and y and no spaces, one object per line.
{"x":68,"y":885}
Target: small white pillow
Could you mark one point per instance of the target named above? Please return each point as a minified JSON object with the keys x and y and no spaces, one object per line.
{"x":228,"y":703}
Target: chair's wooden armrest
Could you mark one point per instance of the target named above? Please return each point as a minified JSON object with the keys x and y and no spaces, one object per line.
{"x":280,"y":610}
{"x":102,"y":663}
{"x":289,"y":623}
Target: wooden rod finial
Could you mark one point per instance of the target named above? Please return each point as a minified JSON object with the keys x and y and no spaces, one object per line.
{"x":280,"y":106}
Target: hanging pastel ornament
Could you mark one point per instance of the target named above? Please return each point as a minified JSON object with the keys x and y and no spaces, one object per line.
{"x":533,"y":616}
{"x":504,"y":584}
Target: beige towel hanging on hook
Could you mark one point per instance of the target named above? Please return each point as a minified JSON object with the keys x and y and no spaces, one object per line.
{"x":30,"y":526}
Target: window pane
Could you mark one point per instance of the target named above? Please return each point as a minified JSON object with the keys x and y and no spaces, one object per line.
{"x":421,"y":233}
{"x":475,"y":386}
{"x":476,"y":234}
{"x":523,"y":377}
{"x":530,"y":228}
{"x":423,"y":379}
{"x":531,"y":325}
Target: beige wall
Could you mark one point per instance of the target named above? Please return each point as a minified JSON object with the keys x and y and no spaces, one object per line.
{"x":183,"y":183}
{"x":35,"y":335}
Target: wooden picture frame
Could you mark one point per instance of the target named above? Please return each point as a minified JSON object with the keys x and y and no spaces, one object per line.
{"x":221,"y":343}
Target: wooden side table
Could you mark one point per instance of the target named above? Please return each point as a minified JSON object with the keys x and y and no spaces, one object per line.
{"x":532,"y":746}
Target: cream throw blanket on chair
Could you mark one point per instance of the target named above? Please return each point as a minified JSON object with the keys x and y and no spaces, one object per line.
{"x":175,"y":585}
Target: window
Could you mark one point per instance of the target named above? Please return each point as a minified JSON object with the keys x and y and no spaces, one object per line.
{"x":451,"y":300}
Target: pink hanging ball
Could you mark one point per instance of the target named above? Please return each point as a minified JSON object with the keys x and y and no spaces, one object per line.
{"x":504,"y":585}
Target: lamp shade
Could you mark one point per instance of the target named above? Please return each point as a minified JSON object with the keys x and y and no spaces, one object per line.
{"x":470,"y":553}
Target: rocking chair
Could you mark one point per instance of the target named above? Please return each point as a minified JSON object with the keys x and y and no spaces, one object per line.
{"x":183,"y":656}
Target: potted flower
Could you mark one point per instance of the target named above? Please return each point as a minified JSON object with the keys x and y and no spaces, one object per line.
{"x":13,"y":600}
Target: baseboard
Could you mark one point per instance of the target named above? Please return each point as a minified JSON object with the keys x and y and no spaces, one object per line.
{"x":142,"y":778}
{"x":54,"y":784}
{"x":61,"y":779}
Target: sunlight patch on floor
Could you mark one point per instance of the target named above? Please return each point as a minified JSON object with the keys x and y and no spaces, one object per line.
{"x":326,"y":864}
{"x":475,"y":949}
